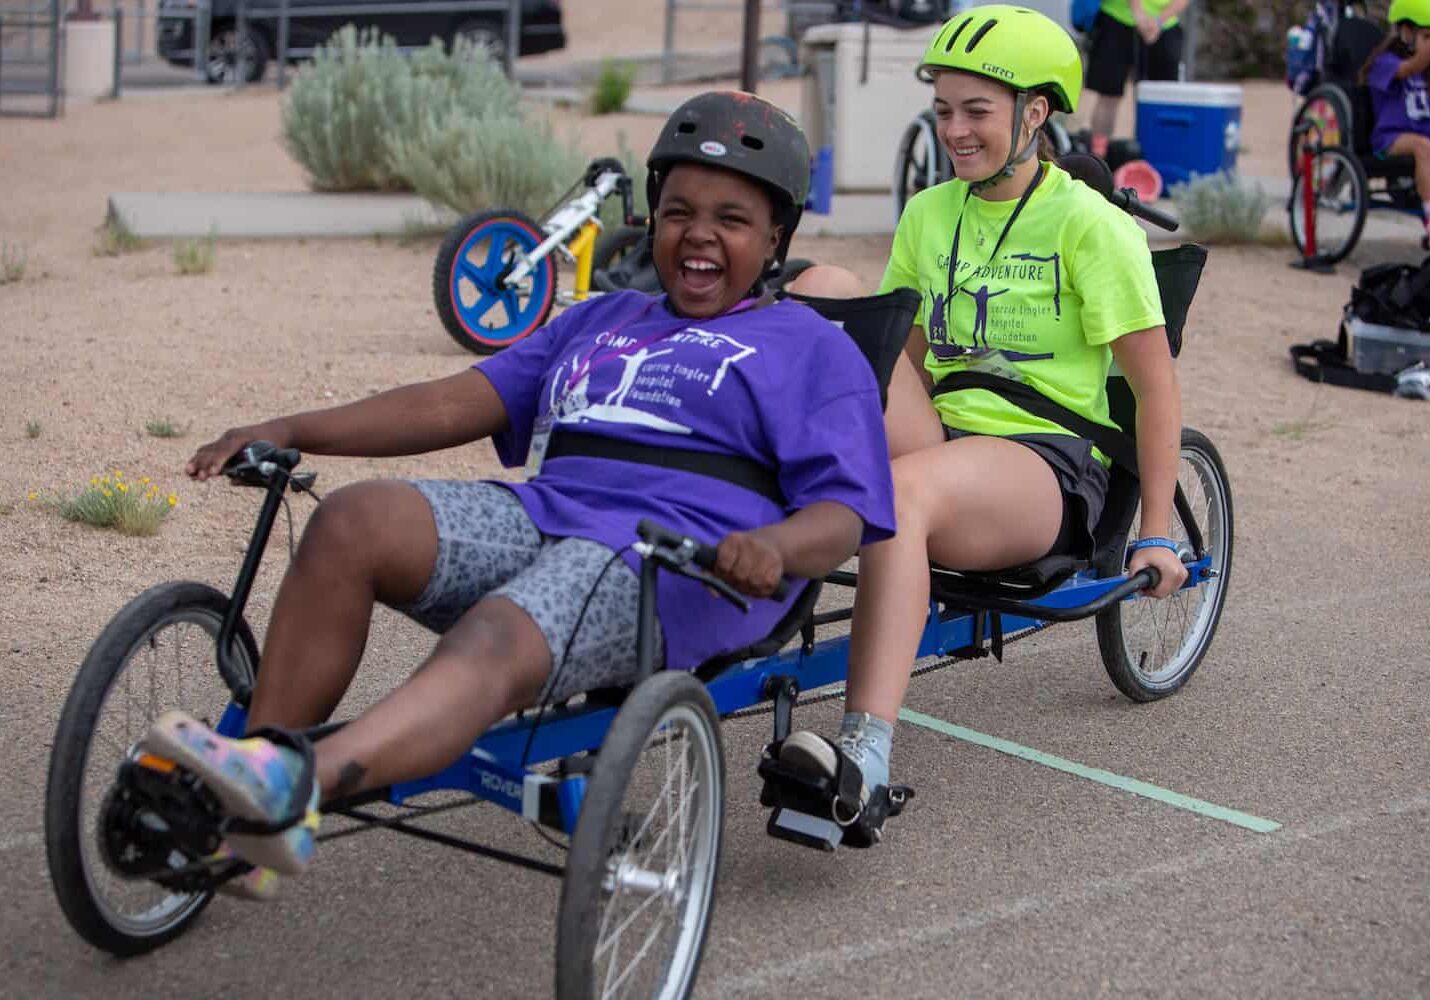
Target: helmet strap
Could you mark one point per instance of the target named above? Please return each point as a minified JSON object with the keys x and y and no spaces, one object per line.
{"x":1016,"y":156}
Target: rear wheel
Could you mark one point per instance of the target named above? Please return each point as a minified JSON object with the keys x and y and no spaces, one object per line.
{"x":1328,"y":112}
{"x":919,"y":162}
{"x":640,"y":876}
{"x":156,"y":654}
{"x":480,"y":308}
{"x":1339,"y":198}
{"x":1150,"y":647}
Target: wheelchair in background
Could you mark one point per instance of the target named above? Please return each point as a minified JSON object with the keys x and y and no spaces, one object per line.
{"x":1336,"y":178}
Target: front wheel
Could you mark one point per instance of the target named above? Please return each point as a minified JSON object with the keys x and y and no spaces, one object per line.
{"x":1149,"y":647}
{"x":1339,"y":198}
{"x":156,"y":654}
{"x":640,"y":876}
{"x":479,"y":307}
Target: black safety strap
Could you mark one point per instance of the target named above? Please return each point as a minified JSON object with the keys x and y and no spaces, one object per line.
{"x":743,"y":472}
{"x":1325,"y":361}
{"x":1116,"y":444}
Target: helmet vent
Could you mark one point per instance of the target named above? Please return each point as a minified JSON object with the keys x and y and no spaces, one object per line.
{"x":751,"y":142}
{"x":948,"y":47}
{"x":988,"y":26}
{"x":685,"y":128}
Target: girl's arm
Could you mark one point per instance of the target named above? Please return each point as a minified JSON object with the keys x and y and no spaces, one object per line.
{"x":1147,"y":362}
{"x":409,"y":420}
{"x":917,"y":348}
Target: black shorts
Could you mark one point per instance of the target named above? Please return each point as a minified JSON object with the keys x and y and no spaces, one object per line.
{"x":1081,"y":477}
{"x":1115,"y":50}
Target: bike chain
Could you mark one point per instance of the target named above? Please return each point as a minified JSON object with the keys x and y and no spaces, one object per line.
{"x":947,"y":661}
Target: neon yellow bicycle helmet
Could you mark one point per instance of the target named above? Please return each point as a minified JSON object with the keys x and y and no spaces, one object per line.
{"x":1417,"y":12}
{"x":1023,"y":49}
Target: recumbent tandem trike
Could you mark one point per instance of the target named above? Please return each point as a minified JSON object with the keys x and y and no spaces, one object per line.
{"x":634,"y":777}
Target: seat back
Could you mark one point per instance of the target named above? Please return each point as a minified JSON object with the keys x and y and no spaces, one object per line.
{"x":1352,"y":41}
{"x":879,"y":325}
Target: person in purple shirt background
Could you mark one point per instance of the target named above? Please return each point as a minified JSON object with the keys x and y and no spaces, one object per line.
{"x":532,"y":586}
{"x":1396,"y":75}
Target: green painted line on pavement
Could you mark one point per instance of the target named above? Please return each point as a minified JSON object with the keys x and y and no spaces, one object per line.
{"x":1143,"y":788}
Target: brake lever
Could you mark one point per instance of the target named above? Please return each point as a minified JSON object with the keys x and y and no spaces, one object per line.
{"x":694,"y":572}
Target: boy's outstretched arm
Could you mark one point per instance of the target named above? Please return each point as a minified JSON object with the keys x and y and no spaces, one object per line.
{"x":808,"y":544}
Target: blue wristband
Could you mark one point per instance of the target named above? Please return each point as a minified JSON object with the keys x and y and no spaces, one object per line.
{"x":1156,"y":542}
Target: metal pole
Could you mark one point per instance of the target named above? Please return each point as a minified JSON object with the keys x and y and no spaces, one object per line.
{"x":513,"y":37}
{"x":282,"y":44}
{"x":57,"y":57}
{"x":1190,"y":16}
{"x":203,"y":22}
{"x":667,"y":53}
{"x":240,"y":31}
{"x":750,"y":48}
{"x":118,"y":13}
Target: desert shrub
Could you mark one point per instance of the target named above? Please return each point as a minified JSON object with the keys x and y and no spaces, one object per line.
{"x":612,"y":87}
{"x":32,"y":429}
{"x":195,"y":255}
{"x":13,"y":260}
{"x":130,"y":508}
{"x":115,"y":237}
{"x":469,"y":163}
{"x":339,"y":108}
{"x":163,"y":427}
{"x":1221,"y":208}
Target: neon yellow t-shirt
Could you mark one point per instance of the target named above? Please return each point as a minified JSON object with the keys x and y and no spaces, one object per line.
{"x":1072,"y":275}
{"x":1121,"y":10}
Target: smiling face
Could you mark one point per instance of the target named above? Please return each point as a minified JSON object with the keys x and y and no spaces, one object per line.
{"x":975,"y":122}
{"x":714,"y":237}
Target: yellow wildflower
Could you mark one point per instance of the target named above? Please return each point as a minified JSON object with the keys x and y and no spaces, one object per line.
{"x":145,"y":481}
{"x":123,"y":487}
{"x":118,"y":473}
{"x":173,"y":499}
{"x":106,"y":493}
{"x":34,"y":495}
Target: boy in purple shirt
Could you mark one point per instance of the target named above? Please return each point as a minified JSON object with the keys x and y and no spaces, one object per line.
{"x":532,"y":586}
{"x":1396,"y":75}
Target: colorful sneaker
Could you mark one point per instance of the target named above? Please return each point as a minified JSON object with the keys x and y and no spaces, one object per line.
{"x":253,"y":779}
{"x":258,"y":884}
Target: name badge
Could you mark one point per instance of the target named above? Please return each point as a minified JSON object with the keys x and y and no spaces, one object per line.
{"x":540,"y":439}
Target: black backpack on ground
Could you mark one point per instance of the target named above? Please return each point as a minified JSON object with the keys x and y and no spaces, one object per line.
{"x":1395,"y":295}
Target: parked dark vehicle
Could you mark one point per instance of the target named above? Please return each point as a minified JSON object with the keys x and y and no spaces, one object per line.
{"x":541,"y":30}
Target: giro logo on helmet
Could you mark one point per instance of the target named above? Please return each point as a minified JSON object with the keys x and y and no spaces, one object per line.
{"x":1006,"y":74}
{"x":712,"y":148}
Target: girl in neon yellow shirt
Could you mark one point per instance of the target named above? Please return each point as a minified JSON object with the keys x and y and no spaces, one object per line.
{"x":1027,"y":274}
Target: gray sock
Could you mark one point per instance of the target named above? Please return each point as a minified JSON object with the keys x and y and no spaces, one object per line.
{"x":868,"y":741}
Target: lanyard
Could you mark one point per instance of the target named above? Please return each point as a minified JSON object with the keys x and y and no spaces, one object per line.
{"x":958,"y":230}
{"x":592,"y":361}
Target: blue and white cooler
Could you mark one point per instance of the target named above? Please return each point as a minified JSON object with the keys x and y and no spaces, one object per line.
{"x":1188,"y":128}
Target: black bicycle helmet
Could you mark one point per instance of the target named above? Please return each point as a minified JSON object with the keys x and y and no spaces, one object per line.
{"x":737,"y":131}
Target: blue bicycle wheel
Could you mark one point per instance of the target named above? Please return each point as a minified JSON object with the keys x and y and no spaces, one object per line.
{"x":479,"y":308}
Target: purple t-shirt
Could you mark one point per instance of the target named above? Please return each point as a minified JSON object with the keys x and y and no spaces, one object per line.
{"x":777,"y":384}
{"x":1399,"y":105}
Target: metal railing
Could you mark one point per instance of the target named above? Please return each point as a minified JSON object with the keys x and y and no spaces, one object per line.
{"x":27,"y":25}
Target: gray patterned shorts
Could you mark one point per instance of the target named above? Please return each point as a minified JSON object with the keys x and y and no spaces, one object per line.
{"x":487,"y":546}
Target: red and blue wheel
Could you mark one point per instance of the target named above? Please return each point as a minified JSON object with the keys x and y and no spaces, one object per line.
{"x":480,"y":308}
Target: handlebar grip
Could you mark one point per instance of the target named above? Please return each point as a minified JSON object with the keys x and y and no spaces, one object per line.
{"x":1127,"y":200}
{"x":704,"y":556}
{"x":1150,"y":575}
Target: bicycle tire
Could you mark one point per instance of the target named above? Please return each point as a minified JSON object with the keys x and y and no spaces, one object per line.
{"x":1124,"y":652}
{"x":606,"y":857}
{"x":468,"y":281}
{"x":1341,"y":194}
{"x":76,"y":868}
